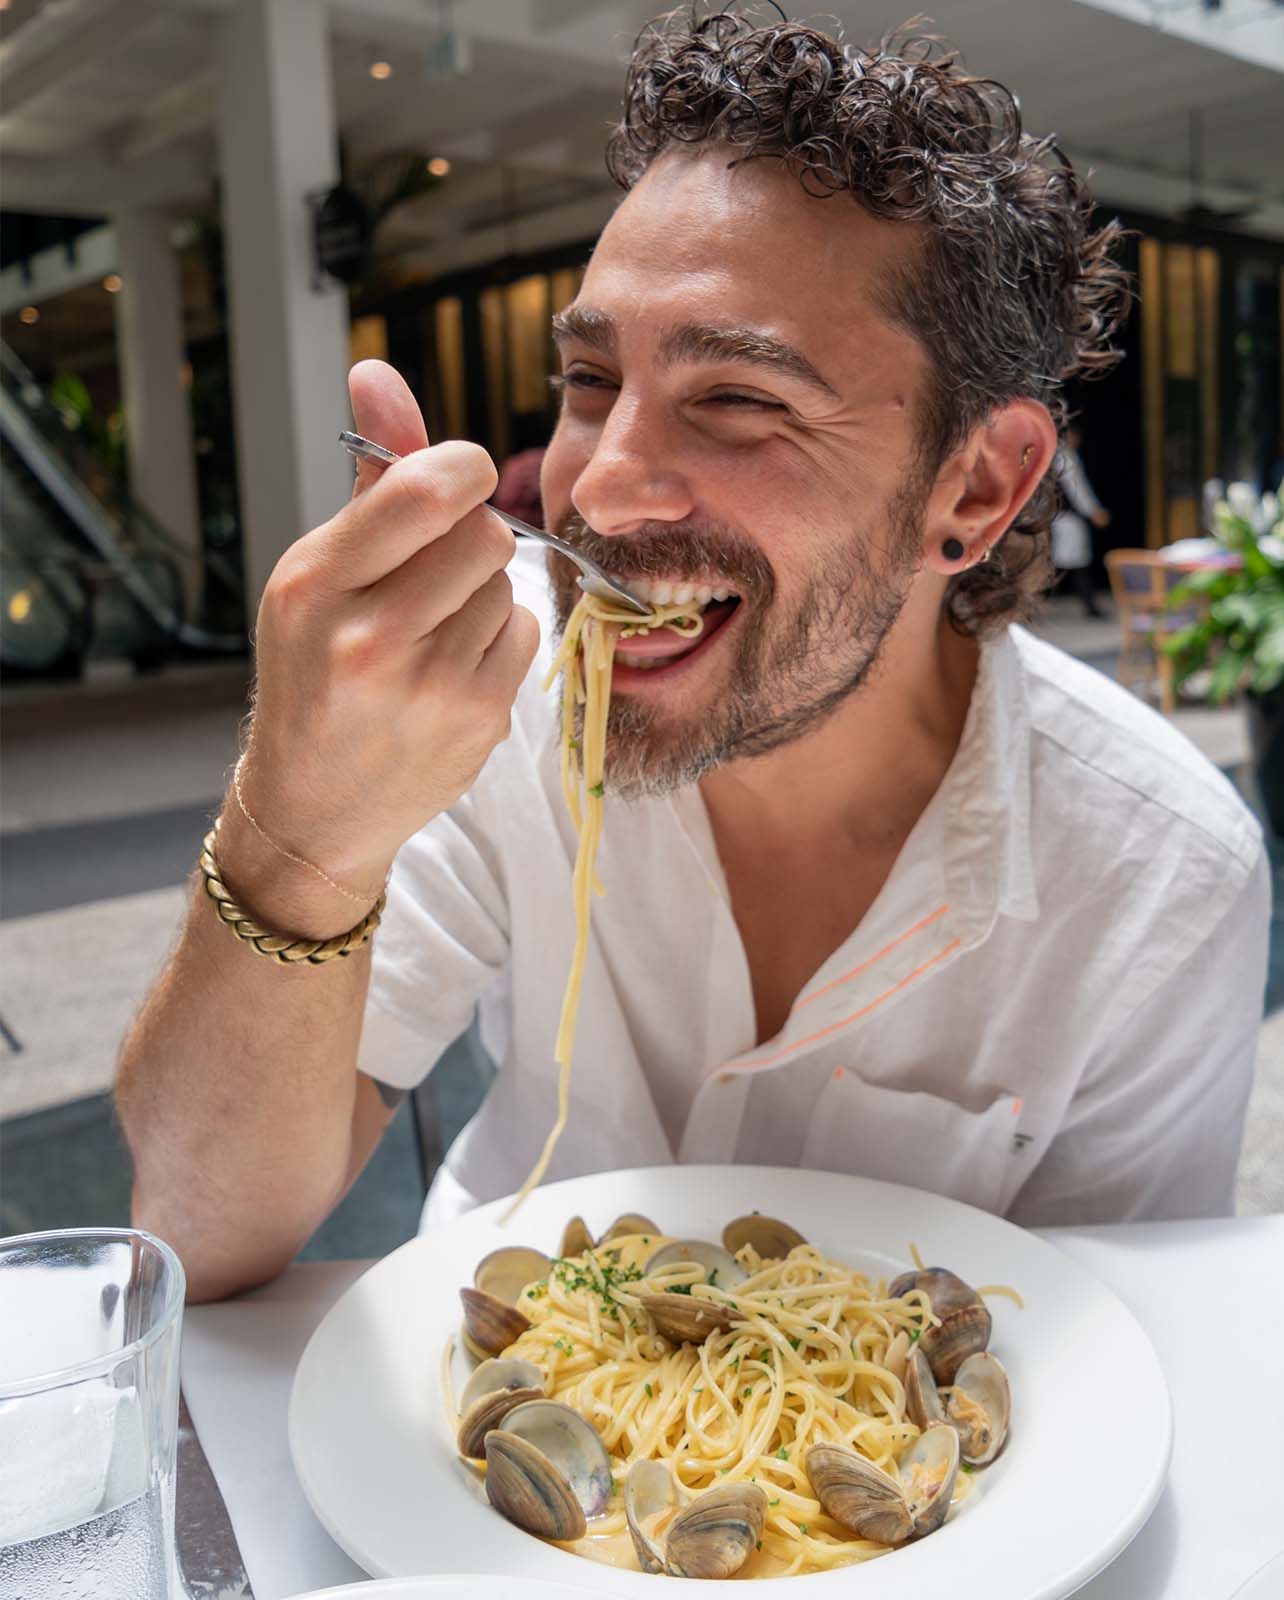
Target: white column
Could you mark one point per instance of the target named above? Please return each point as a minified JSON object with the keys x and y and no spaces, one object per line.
{"x":288,"y":341}
{"x":158,"y":417}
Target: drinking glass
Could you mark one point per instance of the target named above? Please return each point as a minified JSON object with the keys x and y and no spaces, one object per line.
{"x":89,"y":1338}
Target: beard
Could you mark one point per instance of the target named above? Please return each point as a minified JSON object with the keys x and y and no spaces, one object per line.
{"x":794,"y":663}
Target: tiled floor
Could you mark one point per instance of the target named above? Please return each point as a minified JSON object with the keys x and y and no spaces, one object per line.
{"x":106,"y":796}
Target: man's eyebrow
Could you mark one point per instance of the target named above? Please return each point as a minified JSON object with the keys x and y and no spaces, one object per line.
{"x":704,"y":342}
{"x":586,"y":326}
{"x":694,"y":341}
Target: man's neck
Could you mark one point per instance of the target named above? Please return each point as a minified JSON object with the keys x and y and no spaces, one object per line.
{"x":869,"y":770}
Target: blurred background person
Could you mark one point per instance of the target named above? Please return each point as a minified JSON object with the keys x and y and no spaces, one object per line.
{"x":1071,"y":534}
{"x":517,"y":491}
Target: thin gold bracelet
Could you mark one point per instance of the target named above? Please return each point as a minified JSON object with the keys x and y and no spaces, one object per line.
{"x":361,"y":897}
{"x":282,"y":947}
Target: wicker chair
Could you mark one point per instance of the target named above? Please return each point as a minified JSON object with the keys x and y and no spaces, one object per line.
{"x":1141,"y":583}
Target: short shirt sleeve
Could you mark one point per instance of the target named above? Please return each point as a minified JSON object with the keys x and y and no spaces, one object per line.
{"x":443,"y":941}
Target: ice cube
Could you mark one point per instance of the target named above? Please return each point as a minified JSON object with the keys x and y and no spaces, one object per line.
{"x":56,"y":1450}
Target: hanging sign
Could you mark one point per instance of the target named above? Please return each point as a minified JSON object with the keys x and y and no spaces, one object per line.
{"x":342,"y":233}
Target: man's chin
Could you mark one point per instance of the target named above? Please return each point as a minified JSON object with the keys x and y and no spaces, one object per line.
{"x":645,"y":759}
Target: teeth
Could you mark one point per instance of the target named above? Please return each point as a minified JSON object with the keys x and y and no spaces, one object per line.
{"x":665,"y":592}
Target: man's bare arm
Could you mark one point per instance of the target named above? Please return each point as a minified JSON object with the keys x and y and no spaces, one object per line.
{"x":238,"y":1089}
{"x":389,"y":653}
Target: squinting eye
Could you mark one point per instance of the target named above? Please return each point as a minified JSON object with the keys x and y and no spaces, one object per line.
{"x":578,"y":380}
{"x":746,"y":402}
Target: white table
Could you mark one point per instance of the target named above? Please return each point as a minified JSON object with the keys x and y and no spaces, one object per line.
{"x":1221,"y":1516}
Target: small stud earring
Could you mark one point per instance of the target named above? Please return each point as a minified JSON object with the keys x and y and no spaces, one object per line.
{"x":1026,"y":454}
{"x":952,"y":549}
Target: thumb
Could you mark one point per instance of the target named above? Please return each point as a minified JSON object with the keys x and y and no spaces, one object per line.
{"x":386,"y":412}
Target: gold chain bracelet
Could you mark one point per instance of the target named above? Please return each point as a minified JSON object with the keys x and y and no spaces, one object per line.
{"x":280,"y":946}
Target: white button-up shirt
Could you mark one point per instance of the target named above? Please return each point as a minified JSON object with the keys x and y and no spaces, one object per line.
{"x":1050,"y":1010}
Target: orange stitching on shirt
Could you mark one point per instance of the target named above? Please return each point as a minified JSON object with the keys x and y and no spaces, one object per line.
{"x":856,"y":1015}
{"x":873,"y":960}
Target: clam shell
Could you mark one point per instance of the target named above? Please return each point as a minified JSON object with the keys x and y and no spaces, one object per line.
{"x":896,"y":1356}
{"x":505,"y":1273}
{"x":490,"y":1324}
{"x":710,"y":1258}
{"x":525,"y":1486}
{"x":630,"y":1223}
{"x":576,"y":1238}
{"x":649,"y":1492}
{"x":682,"y":1319}
{"x":571,"y":1444}
{"x":492,"y":1391}
{"x":965,"y":1320}
{"x":491,"y":1319}
{"x":858,"y":1494}
{"x":961,"y":1334}
{"x":771,"y":1238}
{"x":715,"y":1535}
{"x":922,"y":1398}
{"x":928,"y":1470}
{"x":982,"y":1380}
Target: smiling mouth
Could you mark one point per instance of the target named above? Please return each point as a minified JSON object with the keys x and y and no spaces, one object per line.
{"x":653,"y":650}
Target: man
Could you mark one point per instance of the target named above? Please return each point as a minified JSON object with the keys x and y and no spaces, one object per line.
{"x":891,"y":887}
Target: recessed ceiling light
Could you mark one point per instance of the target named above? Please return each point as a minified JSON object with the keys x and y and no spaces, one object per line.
{"x":113,"y":283}
{"x":29,"y":314}
{"x":439,"y":166}
{"x":381,"y":69}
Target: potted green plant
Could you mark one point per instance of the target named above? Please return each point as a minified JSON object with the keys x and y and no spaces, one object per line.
{"x":1239,"y":635}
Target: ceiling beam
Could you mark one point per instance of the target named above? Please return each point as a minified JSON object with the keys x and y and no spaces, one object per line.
{"x":178,"y":111}
{"x":65,"y":38}
{"x":86,"y":183}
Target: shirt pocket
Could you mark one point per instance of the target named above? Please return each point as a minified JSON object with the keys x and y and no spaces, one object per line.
{"x":922,"y":1140}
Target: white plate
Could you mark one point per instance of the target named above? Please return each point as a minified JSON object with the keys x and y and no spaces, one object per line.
{"x":475,"y":1586}
{"x":1092,"y":1422}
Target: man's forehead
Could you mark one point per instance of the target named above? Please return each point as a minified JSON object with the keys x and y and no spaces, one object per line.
{"x":703,"y":245}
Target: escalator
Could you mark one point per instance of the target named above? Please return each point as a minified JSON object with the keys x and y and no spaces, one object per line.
{"x":86,"y":573}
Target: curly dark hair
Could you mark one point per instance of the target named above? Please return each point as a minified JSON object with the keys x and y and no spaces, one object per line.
{"x":1013,"y":290}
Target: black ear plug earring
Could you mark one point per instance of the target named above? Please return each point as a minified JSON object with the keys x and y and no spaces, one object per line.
{"x":952,"y":549}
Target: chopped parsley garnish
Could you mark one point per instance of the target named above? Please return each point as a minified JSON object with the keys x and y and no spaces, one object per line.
{"x":771,"y":1503}
{"x":783,"y":1453}
{"x":794,"y":1343}
{"x":678,"y":1288}
{"x":802,"y":1527}
{"x":914,"y":1336}
{"x":966,"y":1466}
{"x":649,"y":1394}
{"x":598,"y":1278}
{"x":597,"y":790}
{"x":749,"y":1390}
{"x":764,"y":1355}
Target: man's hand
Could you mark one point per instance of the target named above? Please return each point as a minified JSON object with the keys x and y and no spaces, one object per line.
{"x":389,"y":650}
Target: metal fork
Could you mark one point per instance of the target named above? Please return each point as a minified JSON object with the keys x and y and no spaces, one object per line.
{"x":594,"y":581}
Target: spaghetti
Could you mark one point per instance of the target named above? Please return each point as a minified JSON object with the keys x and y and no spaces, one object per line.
{"x":585,"y":660}
{"x":814,"y":1360}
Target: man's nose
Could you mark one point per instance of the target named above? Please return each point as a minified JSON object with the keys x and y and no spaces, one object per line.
{"x":633,"y":475}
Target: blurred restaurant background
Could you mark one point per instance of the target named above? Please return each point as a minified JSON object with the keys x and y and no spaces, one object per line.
{"x":212,"y":207}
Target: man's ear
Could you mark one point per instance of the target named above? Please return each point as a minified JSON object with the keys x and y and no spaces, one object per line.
{"x":982,"y":487}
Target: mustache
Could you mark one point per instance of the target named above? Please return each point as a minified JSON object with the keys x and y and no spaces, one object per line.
{"x":670,"y":550}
